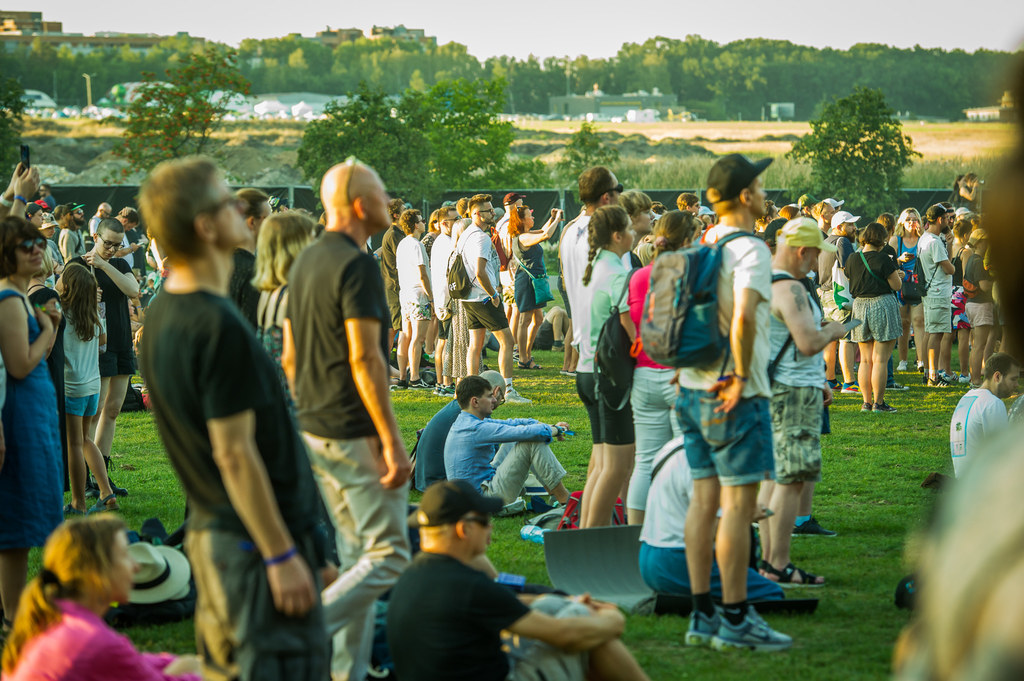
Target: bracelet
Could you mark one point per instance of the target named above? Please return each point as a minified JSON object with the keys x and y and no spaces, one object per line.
{"x":5,"y":202}
{"x":19,"y":197}
{"x":276,"y":560}
{"x":743,"y":379}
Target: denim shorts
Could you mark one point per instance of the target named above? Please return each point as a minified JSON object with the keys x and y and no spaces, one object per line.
{"x":736,"y":447}
{"x":82,"y":406}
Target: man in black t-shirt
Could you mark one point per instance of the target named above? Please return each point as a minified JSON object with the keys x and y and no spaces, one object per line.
{"x":389,"y":269}
{"x":117,"y":363}
{"x":221,"y":414}
{"x":446,"y":617}
{"x":335,"y":337}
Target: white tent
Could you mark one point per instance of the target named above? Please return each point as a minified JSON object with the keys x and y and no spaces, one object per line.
{"x":269,"y":107}
{"x":301,"y":110}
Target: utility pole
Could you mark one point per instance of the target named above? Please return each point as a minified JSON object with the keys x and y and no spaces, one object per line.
{"x":88,"y":89}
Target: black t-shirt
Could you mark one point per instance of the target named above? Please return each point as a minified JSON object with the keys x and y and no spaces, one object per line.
{"x":201,"y":362}
{"x":445,"y":621}
{"x":389,"y":268}
{"x":976,"y":273}
{"x":332,"y":281}
{"x":862,"y":284}
{"x":240,"y":288}
{"x":114,"y":305}
{"x":138,"y":258}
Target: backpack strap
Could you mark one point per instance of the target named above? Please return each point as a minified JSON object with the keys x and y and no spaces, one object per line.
{"x":625,"y":291}
{"x":774,"y":364}
{"x":664,"y":460}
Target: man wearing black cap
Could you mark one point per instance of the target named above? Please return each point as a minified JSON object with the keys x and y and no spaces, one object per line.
{"x":938,"y":306}
{"x":729,"y":446}
{"x":446,"y":617}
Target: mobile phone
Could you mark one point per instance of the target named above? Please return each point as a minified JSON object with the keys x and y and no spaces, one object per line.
{"x":852,"y":324}
{"x":26,"y":161}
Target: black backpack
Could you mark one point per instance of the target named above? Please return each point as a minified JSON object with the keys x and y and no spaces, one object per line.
{"x":613,"y":361}
{"x":459,"y":283}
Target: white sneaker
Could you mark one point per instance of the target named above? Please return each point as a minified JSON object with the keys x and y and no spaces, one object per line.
{"x":513,"y":397}
{"x":964,"y":379}
{"x":752,"y":634}
{"x":902,"y":366}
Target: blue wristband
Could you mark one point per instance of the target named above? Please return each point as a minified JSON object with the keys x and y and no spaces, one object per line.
{"x":276,"y":560}
{"x":19,"y":197}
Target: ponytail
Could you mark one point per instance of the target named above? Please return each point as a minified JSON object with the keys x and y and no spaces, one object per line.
{"x":675,"y":230}
{"x":607,"y":220}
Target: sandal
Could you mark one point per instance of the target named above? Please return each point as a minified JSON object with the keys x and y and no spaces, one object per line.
{"x":107,"y":503}
{"x":785,"y":577}
{"x":72,"y":512}
{"x":529,"y":365}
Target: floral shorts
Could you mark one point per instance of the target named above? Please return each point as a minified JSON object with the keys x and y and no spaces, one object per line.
{"x":417,"y":311}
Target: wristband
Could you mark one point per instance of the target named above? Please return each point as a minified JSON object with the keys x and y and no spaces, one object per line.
{"x":5,"y":202}
{"x":276,"y":560}
{"x":742,"y":379}
{"x":19,"y":197}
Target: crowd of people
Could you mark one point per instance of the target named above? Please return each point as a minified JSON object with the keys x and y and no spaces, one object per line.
{"x":265,"y":341}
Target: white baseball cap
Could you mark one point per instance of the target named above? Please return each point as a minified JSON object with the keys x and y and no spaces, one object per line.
{"x":835,"y":204}
{"x":843,"y":217}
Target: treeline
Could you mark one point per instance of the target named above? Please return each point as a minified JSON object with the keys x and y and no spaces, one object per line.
{"x":716,"y":81}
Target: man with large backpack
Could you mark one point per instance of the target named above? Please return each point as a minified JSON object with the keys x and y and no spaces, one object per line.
{"x":723,"y":410}
{"x":799,"y":392}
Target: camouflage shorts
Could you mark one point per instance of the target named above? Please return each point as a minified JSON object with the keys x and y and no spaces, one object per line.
{"x":796,"y":430}
{"x":830,"y":310}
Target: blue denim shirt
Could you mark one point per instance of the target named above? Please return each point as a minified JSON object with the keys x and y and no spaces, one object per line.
{"x":473,"y":442}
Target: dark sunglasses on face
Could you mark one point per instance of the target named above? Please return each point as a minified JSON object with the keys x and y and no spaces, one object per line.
{"x":29,"y":244}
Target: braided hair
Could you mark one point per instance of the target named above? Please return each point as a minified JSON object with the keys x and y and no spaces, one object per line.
{"x":607,"y":220}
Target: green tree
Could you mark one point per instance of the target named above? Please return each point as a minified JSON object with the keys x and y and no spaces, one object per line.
{"x":177,"y":117}
{"x":583,"y":151}
{"x":857,"y":150}
{"x":11,"y":109}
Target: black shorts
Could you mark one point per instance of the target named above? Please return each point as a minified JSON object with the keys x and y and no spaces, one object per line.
{"x":444,"y":329}
{"x":395,"y":309}
{"x":483,"y":315}
{"x":117,"y":363}
{"x":565,"y":297}
{"x":606,"y":426}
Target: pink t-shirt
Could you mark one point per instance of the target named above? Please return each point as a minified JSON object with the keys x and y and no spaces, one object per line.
{"x":638,"y":287}
{"x":83,"y":648}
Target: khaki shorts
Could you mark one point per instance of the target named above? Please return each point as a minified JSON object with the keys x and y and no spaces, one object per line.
{"x":981,"y":314}
{"x":938,"y":316}
{"x":796,"y":431}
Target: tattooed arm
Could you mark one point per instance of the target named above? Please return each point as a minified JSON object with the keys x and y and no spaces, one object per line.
{"x":791,"y":305}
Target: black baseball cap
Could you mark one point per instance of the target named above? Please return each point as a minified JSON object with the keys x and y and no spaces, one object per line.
{"x":446,"y":501}
{"x":731,"y":175}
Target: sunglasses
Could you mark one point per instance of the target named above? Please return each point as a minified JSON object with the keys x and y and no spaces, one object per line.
{"x":28,"y":245}
{"x":617,"y":188}
{"x":482,"y":520}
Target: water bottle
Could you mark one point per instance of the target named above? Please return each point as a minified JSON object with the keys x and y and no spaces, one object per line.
{"x":533,"y":533}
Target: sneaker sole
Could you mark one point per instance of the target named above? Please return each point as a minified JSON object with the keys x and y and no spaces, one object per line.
{"x":698,"y":640}
{"x":721,"y":644}
{"x":812,"y":534}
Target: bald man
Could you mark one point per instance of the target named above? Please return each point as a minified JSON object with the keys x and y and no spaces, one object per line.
{"x":102,"y":211}
{"x":335,"y":342}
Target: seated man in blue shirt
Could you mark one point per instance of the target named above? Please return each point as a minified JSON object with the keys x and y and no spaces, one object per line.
{"x":430,"y":445}
{"x":497,"y":455}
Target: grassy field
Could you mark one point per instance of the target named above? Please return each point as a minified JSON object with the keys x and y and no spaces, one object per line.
{"x":870,"y":495}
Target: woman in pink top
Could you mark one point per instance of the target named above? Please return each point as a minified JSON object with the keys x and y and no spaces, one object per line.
{"x":653,"y":397}
{"x":59,"y":633}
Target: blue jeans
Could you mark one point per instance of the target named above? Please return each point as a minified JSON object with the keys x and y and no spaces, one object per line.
{"x":664,"y":570}
{"x":736,"y":447}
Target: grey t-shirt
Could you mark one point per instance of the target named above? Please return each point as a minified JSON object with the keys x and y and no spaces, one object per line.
{"x":932,"y":251}
{"x":827,"y":260}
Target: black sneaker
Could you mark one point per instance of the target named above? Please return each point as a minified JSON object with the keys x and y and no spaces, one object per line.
{"x":896,"y":386}
{"x":865,"y":407}
{"x":92,"y":491}
{"x":885,"y":408}
{"x":400,"y":385}
{"x":420,"y":384}
{"x":938,"y":382}
{"x":811,"y":529}
{"x":118,"y":491}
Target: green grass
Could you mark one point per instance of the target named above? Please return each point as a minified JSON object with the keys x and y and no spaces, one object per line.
{"x":871,"y":495}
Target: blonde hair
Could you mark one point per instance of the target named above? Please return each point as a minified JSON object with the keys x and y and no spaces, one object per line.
{"x":46,"y":269}
{"x":901,"y":222}
{"x":282,"y":237}
{"x":77,"y":562}
{"x":635,"y":202}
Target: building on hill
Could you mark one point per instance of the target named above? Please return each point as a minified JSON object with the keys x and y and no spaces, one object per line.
{"x":333,"y":37}
{"x":18,"y":23}
{"x":1005,"y":111}
{"x":599,"y":105}
{"x":25,"y":28}
{"x":400,"y":32}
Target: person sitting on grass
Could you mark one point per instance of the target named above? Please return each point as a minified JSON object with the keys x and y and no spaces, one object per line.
{"x":430,"y":441}
{"x":662,"y":540}
{"x":980,"y":414}
{"x":59,"y":632}
{"x":446,"y":617}
{"x":495,"y":455}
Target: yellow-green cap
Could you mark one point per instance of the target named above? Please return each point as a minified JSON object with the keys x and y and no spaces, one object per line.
{"x":803,"y":231}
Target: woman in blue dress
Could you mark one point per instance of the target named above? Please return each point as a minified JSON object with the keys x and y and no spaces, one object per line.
{"x":31,"y":474}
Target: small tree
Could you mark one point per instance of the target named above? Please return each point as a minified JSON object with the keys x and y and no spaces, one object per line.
{"x":583,"y":151}
{"x":177,"y":117}
{"x":857,"y":150}
{"x":11,"y":108}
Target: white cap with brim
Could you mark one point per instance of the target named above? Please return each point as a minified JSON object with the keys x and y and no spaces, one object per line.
{"x":842,"y":217}
{"x":163,"y":575}
{"x":835,"y":204}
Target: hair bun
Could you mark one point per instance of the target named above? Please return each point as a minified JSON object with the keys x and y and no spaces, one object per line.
{"x":661,"y":242}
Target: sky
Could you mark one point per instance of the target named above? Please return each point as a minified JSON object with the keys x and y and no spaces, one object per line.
{"x":556,"y":28}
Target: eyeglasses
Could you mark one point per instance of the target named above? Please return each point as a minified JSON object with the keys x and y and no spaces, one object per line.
{"x":108,"y":244}
{"x":481,"y":520}
{"x":489,"y":210}
{"x":239,"y":204}
{"x":29,"y":244}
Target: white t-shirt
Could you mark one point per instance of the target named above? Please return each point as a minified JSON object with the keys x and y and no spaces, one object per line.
{"x":82,"y":362}
{"x":410,"y":254}
{"x":932,"y":250}
{"x":473,"y":245}
{"x":979,"y":415}
{"x":574,"y":250}
{"x":746,"y":264}
{"x":439,"y":255}
{"x":668,"y":499}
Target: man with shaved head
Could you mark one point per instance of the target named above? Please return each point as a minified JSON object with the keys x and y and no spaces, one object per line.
{"x":335,"y":340}
{"x":102,"y":211}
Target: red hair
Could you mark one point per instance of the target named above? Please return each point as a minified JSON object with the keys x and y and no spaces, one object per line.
{"x":517,"y":221}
